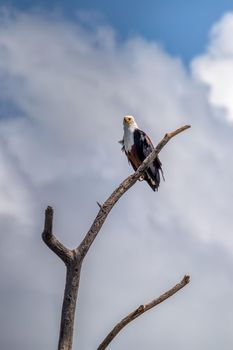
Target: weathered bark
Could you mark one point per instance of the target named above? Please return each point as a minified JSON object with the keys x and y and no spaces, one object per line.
{"x":65,"y":254}
{"x":69,"y":305}
{"x":73,"y":258}
{"x":139,"y":311}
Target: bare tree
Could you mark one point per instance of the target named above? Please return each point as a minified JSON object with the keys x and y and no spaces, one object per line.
{"x":73,"y":258}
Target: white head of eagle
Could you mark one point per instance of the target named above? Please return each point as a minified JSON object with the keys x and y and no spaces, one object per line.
{"x":137,"y":146}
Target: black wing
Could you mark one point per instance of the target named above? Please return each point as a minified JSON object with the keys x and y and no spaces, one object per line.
{"x":144,"y":147}
{"x":143,"y":144}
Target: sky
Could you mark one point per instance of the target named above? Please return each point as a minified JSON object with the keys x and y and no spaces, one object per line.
{"x":69,"y":74}
{"x":180,"y":26}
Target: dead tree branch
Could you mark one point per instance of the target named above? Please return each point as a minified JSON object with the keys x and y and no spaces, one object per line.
{"x":140,"y":310}
{"x":73,"y":258}
{"x":120,"y":190}
{"x":65,"y":254}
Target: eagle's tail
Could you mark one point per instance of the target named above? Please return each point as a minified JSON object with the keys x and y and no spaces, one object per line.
{"x":152,"y":175}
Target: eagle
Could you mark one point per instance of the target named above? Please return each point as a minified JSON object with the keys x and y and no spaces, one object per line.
{"x":137,"y":146}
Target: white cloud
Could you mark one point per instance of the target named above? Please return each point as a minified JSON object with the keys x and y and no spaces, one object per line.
{"x":66,"y":92}
{"x":215,"y":67}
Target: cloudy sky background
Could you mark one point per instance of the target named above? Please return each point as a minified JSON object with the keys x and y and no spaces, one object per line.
{"x":66,"y":82}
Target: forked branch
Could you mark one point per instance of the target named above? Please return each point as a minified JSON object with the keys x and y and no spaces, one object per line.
{"x":140,"y":310}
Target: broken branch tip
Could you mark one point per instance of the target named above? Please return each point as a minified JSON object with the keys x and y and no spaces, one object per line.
{"x":186,"y":279}
{"x":49,"y":210}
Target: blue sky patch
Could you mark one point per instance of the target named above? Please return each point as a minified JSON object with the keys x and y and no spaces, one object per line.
{"x":180,"y":26}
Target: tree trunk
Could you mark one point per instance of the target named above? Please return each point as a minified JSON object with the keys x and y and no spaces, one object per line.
{"x":69,"y":305}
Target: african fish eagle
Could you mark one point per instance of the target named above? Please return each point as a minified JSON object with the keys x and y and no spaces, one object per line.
{"x":137,"y":146}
